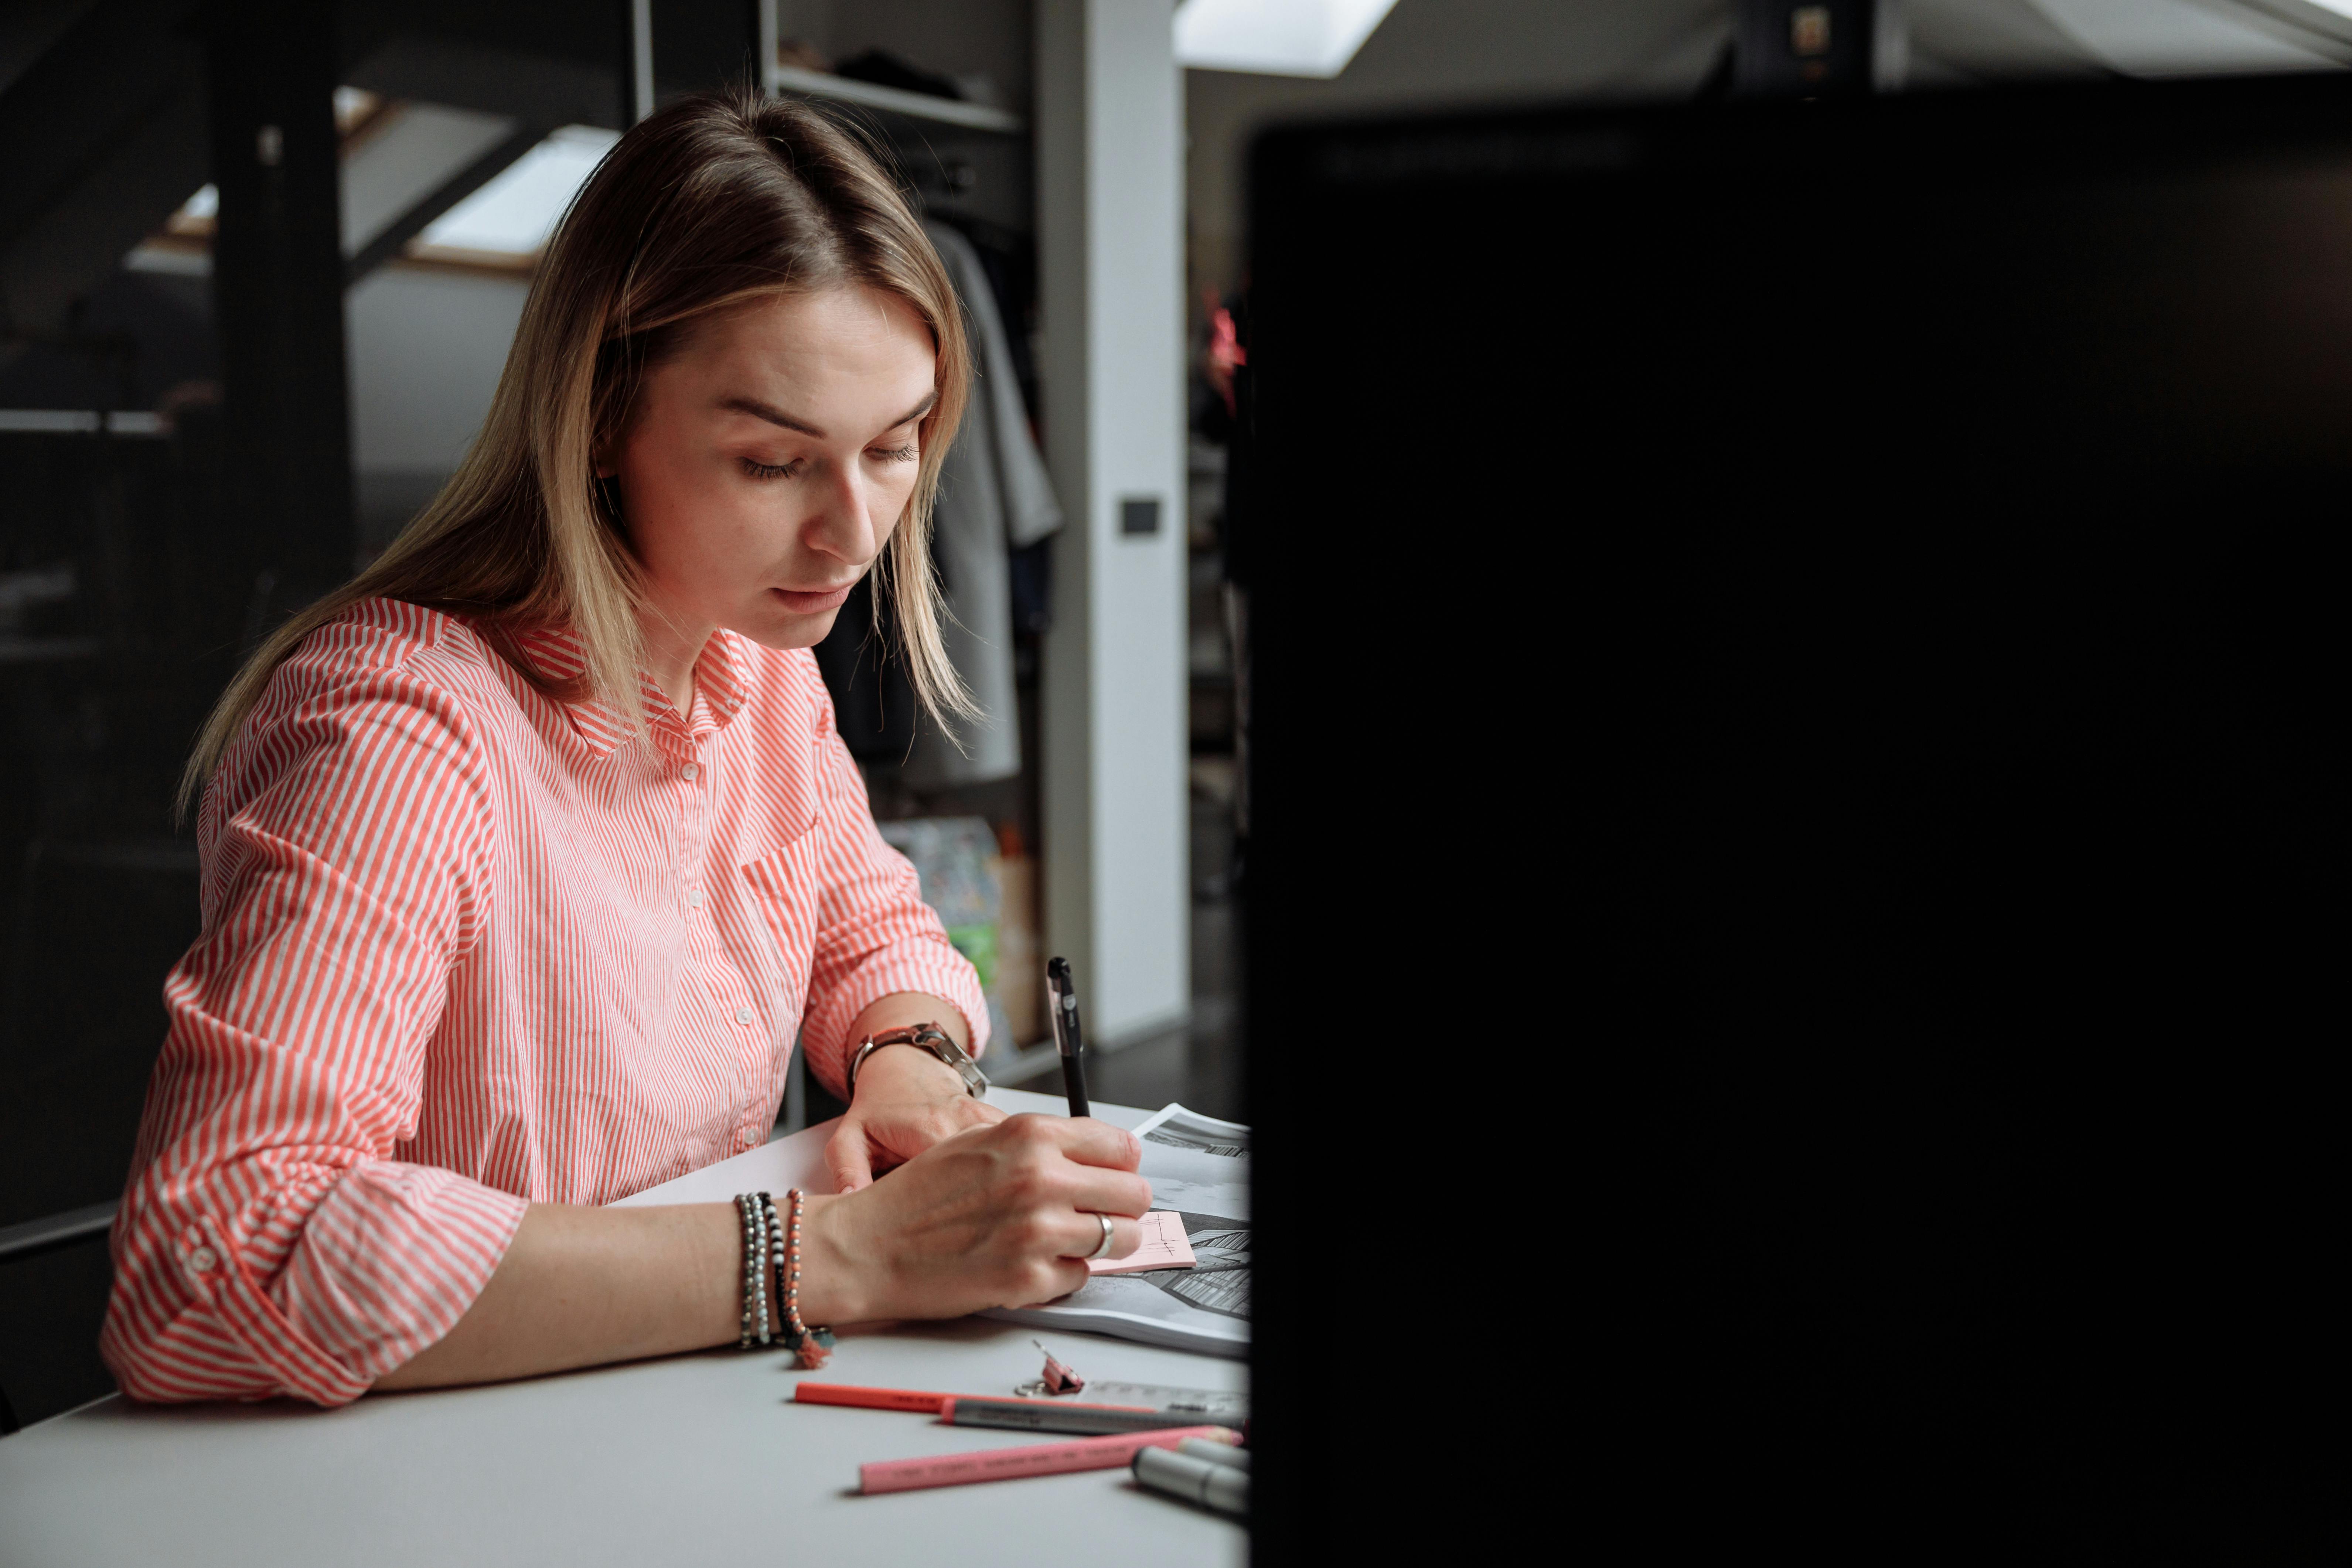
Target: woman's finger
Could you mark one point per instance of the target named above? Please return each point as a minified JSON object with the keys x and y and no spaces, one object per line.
{"x":1108,"y":1192}
{"x":911,"y":1131}
{"x":973,"y":1112}
{"x":1086,"y":1236}
{"x":1088,"y":1141}
{"x":961,"y":1116}
{"x":1059,"y":1277}
{"x":846,"y":1156}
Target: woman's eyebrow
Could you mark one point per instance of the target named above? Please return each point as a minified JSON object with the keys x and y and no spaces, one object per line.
{"x":774,"y":416}
{"x":916,"y":413}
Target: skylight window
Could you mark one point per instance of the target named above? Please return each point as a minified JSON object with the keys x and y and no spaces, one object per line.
{"x":198,"y":214}
{"x":514,"y":214}
{"x":1278,"y":38}
{"x":353,"y":104}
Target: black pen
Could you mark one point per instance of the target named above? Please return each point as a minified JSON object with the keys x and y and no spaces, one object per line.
{"x":1063,"y":998}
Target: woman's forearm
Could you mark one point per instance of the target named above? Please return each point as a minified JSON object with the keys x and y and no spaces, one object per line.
{"x":582,"y":1286}
{"x":989,"y":1212}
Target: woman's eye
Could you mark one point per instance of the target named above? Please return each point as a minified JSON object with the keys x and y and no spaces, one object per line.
{"x":760,"y":470}
{"x":905,"y":454}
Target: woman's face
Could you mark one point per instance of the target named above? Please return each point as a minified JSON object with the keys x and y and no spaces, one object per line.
{"x":768,"y":458}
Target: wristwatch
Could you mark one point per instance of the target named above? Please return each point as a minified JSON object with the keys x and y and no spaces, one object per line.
{"x":923,"y":1036}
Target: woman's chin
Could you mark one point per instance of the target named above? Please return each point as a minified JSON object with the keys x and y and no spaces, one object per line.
{"x":780,"y":629}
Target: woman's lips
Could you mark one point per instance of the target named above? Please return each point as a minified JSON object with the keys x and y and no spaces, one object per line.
{"x":802,"y":601}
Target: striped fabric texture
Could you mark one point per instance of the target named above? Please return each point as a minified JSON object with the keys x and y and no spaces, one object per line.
{"x":466,"y":948}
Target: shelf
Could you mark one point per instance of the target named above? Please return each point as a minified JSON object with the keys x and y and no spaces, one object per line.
{"x":79,"y":421}
{"x":893,"y":100}
{"x":46,"y":650}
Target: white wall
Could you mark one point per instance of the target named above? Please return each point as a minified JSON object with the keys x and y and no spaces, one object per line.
{"x":1109,"y":133}
{"x":426,"y":348}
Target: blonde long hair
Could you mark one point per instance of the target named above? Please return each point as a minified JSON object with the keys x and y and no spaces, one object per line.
{"x":715,"y":201}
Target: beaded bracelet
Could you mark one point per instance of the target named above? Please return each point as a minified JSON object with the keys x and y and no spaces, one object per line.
{"x":758,"y":1216}
{"x":814,"y":1346}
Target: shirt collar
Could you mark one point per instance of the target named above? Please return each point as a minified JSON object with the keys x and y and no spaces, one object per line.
{"x":720,"y":688}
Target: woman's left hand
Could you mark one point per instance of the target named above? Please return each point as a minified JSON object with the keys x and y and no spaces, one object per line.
{"x":908,"y":1100}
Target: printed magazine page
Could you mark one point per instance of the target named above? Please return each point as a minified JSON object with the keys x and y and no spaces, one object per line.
{"x":1197,"y":1166}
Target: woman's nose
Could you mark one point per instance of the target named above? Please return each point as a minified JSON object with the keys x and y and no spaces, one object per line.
{"x":843,"y":527}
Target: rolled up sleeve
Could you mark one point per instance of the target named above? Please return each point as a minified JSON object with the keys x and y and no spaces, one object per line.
{"x":267,"y":1244}
{"x":875,"y":934}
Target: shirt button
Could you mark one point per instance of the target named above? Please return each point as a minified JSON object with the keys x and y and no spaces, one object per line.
{"x":695,"y":897}
{"x":742,"y":1015}
{"x":689,"y":771}
{"x":204,"y":1260}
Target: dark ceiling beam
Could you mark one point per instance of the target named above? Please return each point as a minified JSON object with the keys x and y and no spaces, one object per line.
{"x":80,"y":237}
{"x":703,"y":44}
{"x":65,"y":112}
{"x":581,"y":33}
{"x":104,"y":139}
{"x":277,"y":288}
{"x":27,"y":28}
{"x":387,"y":244}
{"x":536,"y":89}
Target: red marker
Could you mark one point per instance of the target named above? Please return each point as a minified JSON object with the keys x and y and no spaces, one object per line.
{"x":870,"y":1398}
{"x":1042,"y":1459}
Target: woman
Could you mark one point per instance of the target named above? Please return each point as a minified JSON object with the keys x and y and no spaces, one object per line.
{"x":527,"y":853}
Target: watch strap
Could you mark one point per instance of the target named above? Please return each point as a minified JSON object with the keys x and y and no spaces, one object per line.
{"x":922,"y":1036}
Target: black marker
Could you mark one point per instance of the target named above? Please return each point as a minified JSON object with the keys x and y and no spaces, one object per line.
{"x":1063,"y":998}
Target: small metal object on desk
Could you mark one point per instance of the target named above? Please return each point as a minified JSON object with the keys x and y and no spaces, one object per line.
{"x":1058,"y":1378}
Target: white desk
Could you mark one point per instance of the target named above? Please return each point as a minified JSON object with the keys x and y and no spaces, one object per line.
{"x":699,"y":1458}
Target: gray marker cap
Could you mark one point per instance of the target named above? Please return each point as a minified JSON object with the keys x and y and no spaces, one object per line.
{"x":1203,"y":1482}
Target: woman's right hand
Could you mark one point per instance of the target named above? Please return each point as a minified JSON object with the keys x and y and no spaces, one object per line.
{"x":1001,"y":1216}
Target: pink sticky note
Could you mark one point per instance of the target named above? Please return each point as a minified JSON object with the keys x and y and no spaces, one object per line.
{"x":1164,"y":1246}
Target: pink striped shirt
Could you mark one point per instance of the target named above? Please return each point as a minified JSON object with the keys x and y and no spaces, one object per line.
{"x":466,"y":948}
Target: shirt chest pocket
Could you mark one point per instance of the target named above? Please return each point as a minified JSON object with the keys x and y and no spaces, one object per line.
{"x":789,"y":893}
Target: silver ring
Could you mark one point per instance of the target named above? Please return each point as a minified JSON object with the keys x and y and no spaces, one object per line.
{"x":1103,"y":1250}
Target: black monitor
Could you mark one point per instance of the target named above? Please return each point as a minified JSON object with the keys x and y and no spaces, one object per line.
{"x":1797,"y":652}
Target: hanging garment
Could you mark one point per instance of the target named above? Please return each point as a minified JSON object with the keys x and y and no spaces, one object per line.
{"x":874,"y":704}
{"x":994,"y":497}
